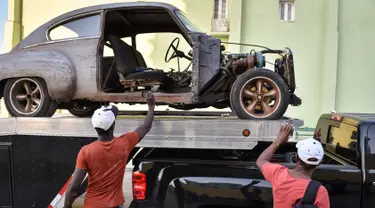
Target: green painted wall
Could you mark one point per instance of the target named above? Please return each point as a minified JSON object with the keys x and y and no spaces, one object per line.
{"x":329,"y":51}
{"x":12,"y":36}
{"x":305,"y":36}
{"x":356,"y":68}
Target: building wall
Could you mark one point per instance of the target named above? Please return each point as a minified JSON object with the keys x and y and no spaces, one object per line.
{"x":355,"y":65}
{"x":12,"y":35}
{"x":305,"y":36}
{"x":331,"y":41}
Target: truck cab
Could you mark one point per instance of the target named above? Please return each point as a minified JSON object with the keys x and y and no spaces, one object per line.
{"x":351,"y":138}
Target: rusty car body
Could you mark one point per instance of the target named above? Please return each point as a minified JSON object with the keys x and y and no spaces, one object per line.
{"x":42,"y":74}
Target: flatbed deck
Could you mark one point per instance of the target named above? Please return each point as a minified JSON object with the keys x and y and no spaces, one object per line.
{"x":208,"y":130}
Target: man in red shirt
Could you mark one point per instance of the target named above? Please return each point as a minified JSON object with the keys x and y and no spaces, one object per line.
{"x":289,"y":185}
{"x":105,"y":159}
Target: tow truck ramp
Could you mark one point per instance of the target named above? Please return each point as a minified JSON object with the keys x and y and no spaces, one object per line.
{"x":38,"y":154}
{"x":204,"y":130}
{"x":222,"y":131}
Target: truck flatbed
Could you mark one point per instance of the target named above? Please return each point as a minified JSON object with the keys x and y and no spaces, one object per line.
{"x":208,"y":130}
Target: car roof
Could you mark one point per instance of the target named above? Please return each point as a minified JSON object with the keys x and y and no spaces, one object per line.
{"x":115,"y":6}
{"x":361,"y":117}
{"x":38,"y":35}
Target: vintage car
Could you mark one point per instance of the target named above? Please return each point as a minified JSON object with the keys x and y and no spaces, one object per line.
{"x":42,"y":74}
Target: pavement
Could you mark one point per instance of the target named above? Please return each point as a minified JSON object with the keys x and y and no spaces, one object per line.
{"x":126,"y":187}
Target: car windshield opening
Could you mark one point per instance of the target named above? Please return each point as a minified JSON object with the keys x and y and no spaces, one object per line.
{"x":187,"y":23}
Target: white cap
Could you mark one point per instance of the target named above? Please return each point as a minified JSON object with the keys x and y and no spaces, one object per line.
{"x":104,"y":117}
{"x":310,"y":151}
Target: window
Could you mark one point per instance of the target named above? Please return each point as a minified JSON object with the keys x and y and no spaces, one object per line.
{"x":187,"y":23}
{"x":370,"y":150}
{"x":342,"y":140}
{"x":219,"y":21}
{"x":371,"y":140}
{"x":220,"y":9}
{"x":287,"y":10}
{"x":84,"y":27}
{"x":153,"y":47}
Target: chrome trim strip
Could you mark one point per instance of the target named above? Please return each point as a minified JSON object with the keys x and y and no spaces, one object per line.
{"x":62,"y":40}
{"x":337,"y":159}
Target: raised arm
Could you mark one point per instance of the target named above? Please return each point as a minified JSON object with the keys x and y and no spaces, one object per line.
{"x":267,"y":154}
{"x":146,"y":127}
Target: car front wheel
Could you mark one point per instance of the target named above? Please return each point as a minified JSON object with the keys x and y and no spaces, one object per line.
{"x":27,"y":97}
{"x":259,"y":94}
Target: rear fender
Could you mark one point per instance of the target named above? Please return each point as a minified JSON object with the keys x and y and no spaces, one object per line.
{"x":53,"y":67}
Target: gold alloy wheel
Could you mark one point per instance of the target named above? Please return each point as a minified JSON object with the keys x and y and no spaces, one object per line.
{"x":260,"y":97}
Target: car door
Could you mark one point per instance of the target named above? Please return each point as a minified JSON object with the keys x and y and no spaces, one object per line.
{"x":369,"y":187}
{"x":78,"y":38}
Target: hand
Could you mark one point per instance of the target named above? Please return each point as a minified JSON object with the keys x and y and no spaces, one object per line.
{"x":150,"y":99}
{"x":284,"y":133}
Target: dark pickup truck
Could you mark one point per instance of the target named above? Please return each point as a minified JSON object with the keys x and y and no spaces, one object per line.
{"x":203,"y":178}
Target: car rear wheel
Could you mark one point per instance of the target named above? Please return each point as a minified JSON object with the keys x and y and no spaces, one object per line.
{"x":259,"y":94}
{"x":52,"y":108}
{"x":27,"y":97}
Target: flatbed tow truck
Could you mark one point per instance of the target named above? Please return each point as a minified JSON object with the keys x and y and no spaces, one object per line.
{"x":38,"y":155}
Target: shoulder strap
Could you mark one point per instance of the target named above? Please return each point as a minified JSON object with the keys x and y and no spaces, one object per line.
{"x":310,"y":193}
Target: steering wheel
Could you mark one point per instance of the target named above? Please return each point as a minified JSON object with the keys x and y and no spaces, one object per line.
{"x":175,"y":51}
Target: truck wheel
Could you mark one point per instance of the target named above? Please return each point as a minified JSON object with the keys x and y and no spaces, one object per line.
{"x":26,"y":97}
{"x":291,"y":157}
{"x":259,"y":94}
{"x":83,"y":110}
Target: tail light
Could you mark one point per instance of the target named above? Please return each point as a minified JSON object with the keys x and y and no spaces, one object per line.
{"x":139,"y":186}
{"x":336,"y":118}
